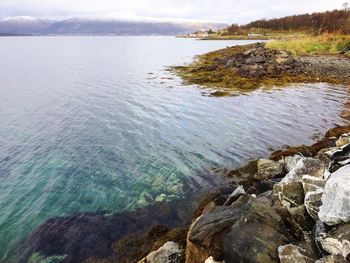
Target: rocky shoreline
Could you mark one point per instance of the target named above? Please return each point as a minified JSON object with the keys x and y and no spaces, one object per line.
{"x":290,"y":207}
{"x":245,"y":68}
{"x":293,"y":207}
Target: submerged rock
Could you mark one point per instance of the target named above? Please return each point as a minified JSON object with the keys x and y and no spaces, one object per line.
{"x":170,"y":252}
{"x":250,"y":230}
{"x":291,"y":253}
{"x":335,"y":206}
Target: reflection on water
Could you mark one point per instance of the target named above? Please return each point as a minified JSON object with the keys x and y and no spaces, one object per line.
{"x":98,"y":124}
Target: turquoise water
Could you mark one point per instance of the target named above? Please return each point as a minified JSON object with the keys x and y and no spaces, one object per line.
{"x":99,"y":124}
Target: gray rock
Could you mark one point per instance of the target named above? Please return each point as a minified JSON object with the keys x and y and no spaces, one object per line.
{"x":290,"y":194}
{"x":250,"y":230}
{"x":291,"y":254}
{"x":170,"y":252}
{"x":335,"y":206}
{"x":268,"y":169}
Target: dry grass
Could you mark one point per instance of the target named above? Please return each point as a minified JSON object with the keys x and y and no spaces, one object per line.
{"x":324,"y":44}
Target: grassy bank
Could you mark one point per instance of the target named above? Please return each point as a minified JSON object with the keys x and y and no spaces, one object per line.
{"x":324,"y":44}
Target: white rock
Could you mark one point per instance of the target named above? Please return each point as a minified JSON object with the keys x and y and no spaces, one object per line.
{"x":343,"y":140}
{"x":313,"y":202}
{"x":291,"y":161}
{"x":168,"y":253}
{"x":212,"y":260}
{"x":313,"y":189}
{"x":299,"y":166}
{"x":335,"y":206}
{"x":336,"y":246}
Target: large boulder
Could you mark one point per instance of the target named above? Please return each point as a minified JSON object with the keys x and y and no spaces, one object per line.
{"x":335,"y":206}
{"x":250,"y":230}
{"x":170,"y":252}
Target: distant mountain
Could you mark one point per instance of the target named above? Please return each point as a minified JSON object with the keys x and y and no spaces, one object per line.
{"x":99,"y":26}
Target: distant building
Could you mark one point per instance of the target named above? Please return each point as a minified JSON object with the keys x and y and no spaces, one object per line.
{"x":254,"y":35}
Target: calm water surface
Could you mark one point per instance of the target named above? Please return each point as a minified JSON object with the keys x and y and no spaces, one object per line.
{"x":97,"y":123}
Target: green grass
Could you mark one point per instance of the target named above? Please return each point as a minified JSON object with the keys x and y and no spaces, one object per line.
{"x":324,"y":44}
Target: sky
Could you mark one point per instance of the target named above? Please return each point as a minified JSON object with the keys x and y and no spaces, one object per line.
{"x":229,"y":11}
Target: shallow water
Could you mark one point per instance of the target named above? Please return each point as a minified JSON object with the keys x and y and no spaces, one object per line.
{"x":98,"y":123}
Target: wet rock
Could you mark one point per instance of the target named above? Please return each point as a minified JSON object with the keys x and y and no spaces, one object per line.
{"x":243,"y":175}
{"x":290,"y":194}
{"x":299,"y":166}
{"x":170,"y":252}
{"x":137,"y":246}
{"x":337,"y":131}
{"x":335,"y":206}
{"x":332,"y":259}
{"x":250,"y":230}
{"x":301,"y":150}
{"x":291,"y":253}
{"x":269,"y":169}
{"x":337,"y":241}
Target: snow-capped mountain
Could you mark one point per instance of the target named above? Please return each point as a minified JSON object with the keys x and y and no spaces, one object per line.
{"x":100,"y":26}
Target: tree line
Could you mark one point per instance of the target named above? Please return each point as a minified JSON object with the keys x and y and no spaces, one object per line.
{"x":337,"y":21}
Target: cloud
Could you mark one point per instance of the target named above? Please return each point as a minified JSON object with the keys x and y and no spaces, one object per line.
{"x":238,"y":11}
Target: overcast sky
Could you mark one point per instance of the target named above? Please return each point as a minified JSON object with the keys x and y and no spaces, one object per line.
{"x":239,"y":11}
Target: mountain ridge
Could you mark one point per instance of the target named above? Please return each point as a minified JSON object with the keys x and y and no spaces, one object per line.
{"x":100,"y":26}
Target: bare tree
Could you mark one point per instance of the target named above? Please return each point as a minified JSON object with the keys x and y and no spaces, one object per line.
{"x":346,"y":6}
